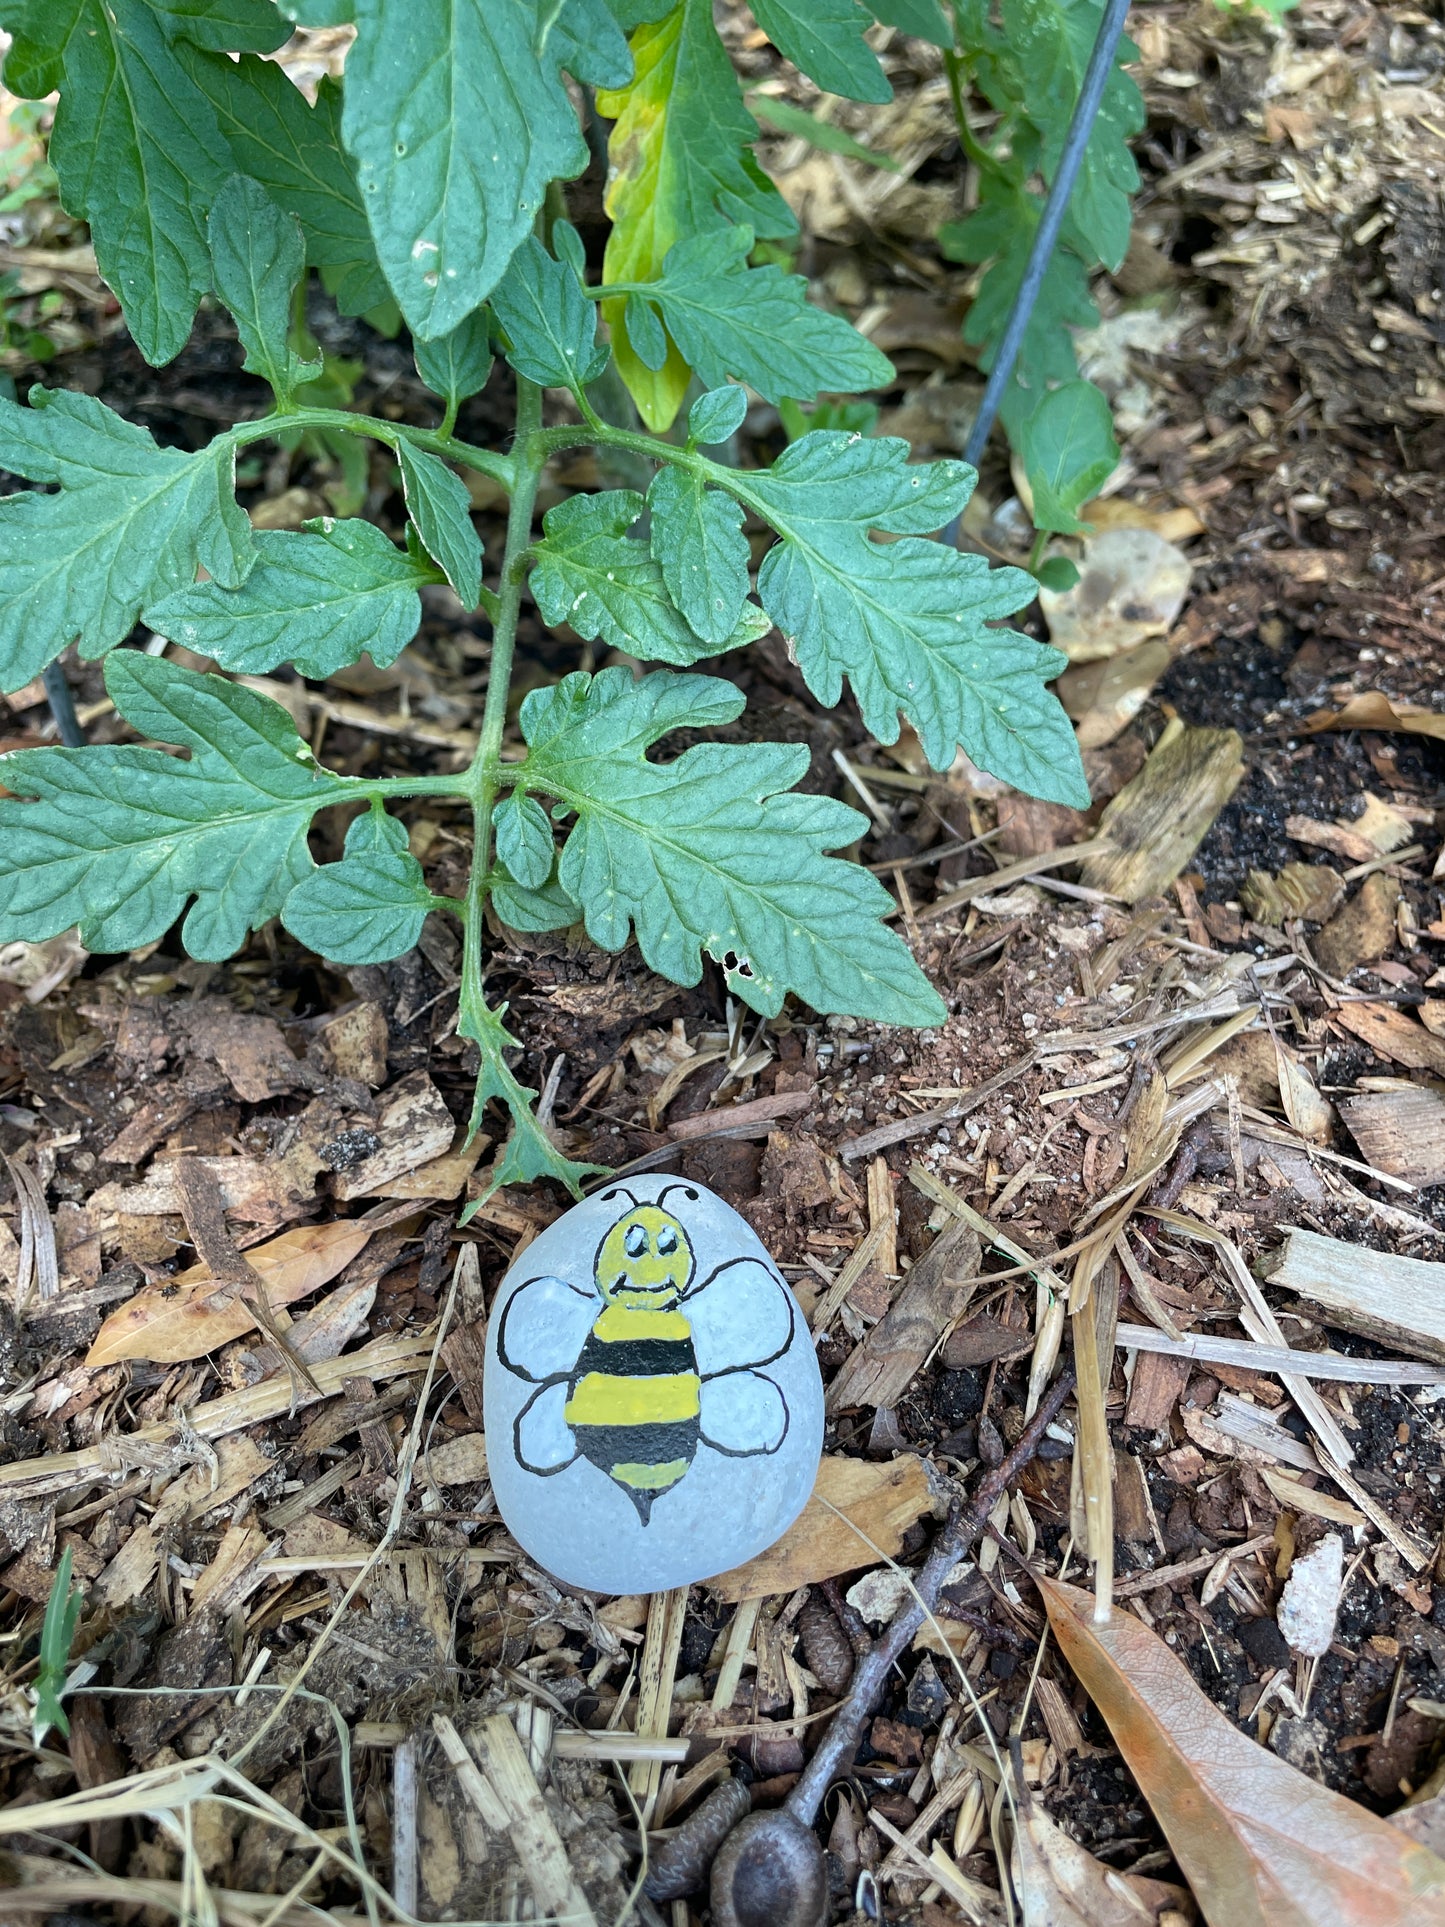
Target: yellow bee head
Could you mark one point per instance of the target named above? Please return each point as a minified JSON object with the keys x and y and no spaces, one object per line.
{"x":645,"y":1260}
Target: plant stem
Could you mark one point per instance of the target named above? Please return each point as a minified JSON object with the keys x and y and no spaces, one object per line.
{"x":529,"y":455}
{"x":835,"y":1751}
{"x":957,"y":71}
{"x":1036,"y":553}
{"x":437,"y":441}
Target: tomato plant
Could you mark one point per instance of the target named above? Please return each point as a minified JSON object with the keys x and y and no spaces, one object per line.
{"x":428,"y":178}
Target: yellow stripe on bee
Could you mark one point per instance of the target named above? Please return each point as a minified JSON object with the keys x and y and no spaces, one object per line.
{"x":650,"y":1478}
{"x":620,"y":1322}
{"x":601,"y":1399}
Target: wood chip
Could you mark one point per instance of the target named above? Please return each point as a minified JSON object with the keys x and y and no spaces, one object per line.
{"x":530,"y":1827}
{"x":1392,"y":1034}
{"x":1399,"y":1301}
{"x":935,"y":1293}
{"x":1158,"y":821}
{"x":1402,"y":1132}
{"x":413,"y":1128}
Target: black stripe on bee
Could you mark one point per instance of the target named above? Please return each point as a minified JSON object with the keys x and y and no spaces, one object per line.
{"x":636,"y":1357}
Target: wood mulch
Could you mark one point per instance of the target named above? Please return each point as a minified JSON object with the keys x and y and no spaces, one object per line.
{"x":308,"y":1644}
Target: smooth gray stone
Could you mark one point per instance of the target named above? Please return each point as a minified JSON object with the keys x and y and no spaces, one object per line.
{"x":654,"y":1413}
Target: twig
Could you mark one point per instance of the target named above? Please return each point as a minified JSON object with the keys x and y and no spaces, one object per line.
{"x":235,"y":1275}
{"x":839,"y":1743}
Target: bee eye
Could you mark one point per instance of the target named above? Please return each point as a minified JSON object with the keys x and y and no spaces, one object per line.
{"x":666,"y":1243}
{"x":634,"y":1241}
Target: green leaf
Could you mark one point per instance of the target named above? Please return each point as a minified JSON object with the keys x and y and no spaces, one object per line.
{"x":1069,"y":452}
{"x":119,"y":840}
{"x":318,"y":599}
{"x":1002,"y":230}
{"x":906,"y":622}
{"x":276,"y":136}
{"x":549,"y":908}
{"x":136,"y":148}
{"x":567,"y":245}
{"x":825,"y":39}
{"x":921,"y":17}
{"x":57,"y":1635}
{"x":698,"y":543}
{"x":457,"y":365}
{"x":757,"y":324}
{"x":258,"y":257}
{"x":646,"y":333}
{"x":529,"y":1153}
{"x":588,"y":41}
{"x":371,"y":905}
{"x":457,"y":122}
{"x":588,"y":572}
{"x":681,"y":163}
{"x":550,"y":325}
{"x":131,"y":522}
{"x":717,"y":415}
{"x":711,"y":852}
{"x":822,"y":134}
{"x":1051,"y":40}
{"x":524,"y":839}
{"x":319,"y":13}
{"x":438,"y":503}
{"x":226,"y":26}
{"x":1057,"y":573}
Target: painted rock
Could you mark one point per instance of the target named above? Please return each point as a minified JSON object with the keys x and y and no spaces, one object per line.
{"x":654,"y":1413}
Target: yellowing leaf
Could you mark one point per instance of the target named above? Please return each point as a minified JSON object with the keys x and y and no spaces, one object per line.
{"x":1261,"y":1844}
{"x":183,"y":1319}
{"x":680,"y":165}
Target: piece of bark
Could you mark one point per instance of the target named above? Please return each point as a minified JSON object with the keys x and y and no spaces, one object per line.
{"x":247,"y":1048}
{"x":1309,"y":890}
{"x":1157,"y":1387}
{"x":935,"y":1293}
{"x":1399,"y":1301}
{"x":464,"y":1353}
{"x":1362,"y":931}
{"x":413,"y":1127}
{"x":1401,"y":1132}
{"x":1158,"y":821}
{"x":352,"y":1043}
{"x":1390,"y":1033}
{"x":882,"y":1501}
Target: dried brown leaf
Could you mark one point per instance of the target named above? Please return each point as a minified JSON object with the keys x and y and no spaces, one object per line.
{"x":1061,"y":1884}
{"x":180,"y":1320}
{"x":1373,"y":710}
{"x":1261,"y":1844}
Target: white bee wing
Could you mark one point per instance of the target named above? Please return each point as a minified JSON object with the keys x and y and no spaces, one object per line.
{"x":742,"y":1295}
{"x":543,"y":1438}
{"x":544,"y":1326}
{"x":743,"y":1413}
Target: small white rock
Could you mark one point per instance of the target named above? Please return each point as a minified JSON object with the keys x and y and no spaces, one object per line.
{"x":1311,"y":1598}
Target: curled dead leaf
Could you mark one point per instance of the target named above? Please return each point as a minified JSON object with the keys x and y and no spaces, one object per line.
{"x":1374,"y":710}
{"x":1261,"y":1844}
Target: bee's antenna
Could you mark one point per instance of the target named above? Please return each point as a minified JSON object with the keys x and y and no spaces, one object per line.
{"x":689,"y":1191}
{"x":618,"y":1190}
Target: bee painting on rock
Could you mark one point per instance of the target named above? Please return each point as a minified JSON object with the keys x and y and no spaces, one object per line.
{"x":651,"y":1362}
